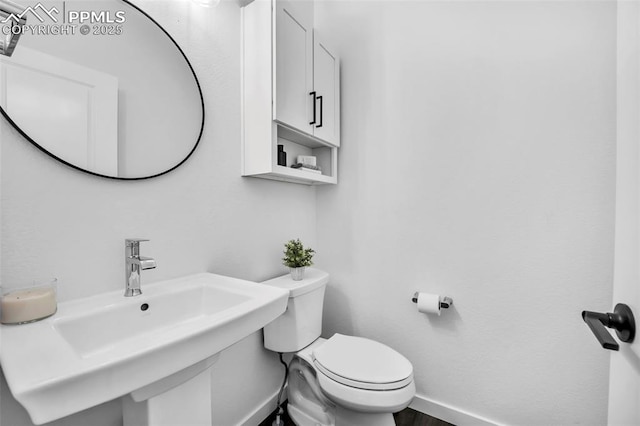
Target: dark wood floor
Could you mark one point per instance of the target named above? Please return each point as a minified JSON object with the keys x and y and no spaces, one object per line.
{"x":409,"y":417}
{"x":406,"y":417}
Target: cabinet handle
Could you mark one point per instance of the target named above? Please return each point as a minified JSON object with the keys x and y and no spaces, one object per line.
{"x":321,"y":108}
{"x":313,"y":95}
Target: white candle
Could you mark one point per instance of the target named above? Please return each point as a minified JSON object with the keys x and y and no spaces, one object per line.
{"x":27,"y":305}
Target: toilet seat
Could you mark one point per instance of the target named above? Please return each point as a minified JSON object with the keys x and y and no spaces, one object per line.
{"x":367,"y":401}
{"x":362,"y":363}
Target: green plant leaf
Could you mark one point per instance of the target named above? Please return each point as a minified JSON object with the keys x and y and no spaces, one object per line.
{"x":296,"y":255}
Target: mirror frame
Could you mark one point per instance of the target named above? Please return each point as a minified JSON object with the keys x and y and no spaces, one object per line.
{"x":195,"y":77}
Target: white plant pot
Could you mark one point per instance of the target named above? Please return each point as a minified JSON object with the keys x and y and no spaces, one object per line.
{"x":297,"y":274}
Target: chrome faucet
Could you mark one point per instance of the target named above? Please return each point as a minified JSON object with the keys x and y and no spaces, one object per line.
{"x":134,"y":263}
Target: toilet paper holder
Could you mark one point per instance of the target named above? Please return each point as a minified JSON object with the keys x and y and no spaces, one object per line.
{"x":445,"y":303}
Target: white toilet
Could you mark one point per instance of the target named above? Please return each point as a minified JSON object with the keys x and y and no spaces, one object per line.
{"x":340,"y":381}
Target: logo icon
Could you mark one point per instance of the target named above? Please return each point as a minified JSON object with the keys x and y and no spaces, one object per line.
{"x":36,"y":11}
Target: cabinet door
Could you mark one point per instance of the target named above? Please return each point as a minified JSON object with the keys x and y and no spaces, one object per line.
{"x":326,"y":83}
{"x":294,"y":64}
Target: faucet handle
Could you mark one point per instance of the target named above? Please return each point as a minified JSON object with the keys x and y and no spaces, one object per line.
{"x":130,"y":242}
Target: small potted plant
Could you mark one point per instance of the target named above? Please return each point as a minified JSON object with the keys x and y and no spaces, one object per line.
{"x":296,"y":257}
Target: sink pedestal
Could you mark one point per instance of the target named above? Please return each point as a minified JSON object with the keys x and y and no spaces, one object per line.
{"x":183,"y":398}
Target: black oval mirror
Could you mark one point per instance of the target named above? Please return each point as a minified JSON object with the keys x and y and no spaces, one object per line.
{"x":99,"y":86}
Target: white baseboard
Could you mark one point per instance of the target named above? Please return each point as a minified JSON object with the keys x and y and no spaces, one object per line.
{"x":449,"y":413}
{"x":263,"y":410}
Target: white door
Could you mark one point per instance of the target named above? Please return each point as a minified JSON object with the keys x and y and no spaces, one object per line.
{"x":294,"y":64}
{"x":69,"y":110}
{"x":326,"y":83}
{"x":624,"y":382}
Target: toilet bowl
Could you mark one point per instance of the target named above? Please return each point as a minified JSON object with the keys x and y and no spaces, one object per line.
{"x":340,"y":381}
{"x":325,"y":379}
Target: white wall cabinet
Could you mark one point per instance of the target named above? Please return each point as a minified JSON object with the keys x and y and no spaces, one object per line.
{"x":294,"y":64}
{"x":290,"y":92}
{"x":307,"y":80}
{"x":326,"y":85}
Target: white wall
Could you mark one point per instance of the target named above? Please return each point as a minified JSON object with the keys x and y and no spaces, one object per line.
{"x":477,"y":162}
{"x":57,"y":222}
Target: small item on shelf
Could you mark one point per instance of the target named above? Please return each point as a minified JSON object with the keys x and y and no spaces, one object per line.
{"x":313,"y":169}
{"x":282,"y":156}
{"x":307,"y":168}
{"x":309,"y":160}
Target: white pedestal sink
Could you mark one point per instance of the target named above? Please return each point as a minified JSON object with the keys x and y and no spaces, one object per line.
{"x":155,"y":350}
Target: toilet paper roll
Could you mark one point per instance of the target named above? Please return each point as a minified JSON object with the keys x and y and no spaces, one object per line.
{"x":429,"y":303}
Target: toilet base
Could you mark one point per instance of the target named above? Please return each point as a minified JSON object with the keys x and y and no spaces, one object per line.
{"x":343,"y":417}
{"x":300,"y":418}
{"x":346,"y":417}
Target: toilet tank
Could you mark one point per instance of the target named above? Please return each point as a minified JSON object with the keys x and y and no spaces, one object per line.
{"x":301,"y":323}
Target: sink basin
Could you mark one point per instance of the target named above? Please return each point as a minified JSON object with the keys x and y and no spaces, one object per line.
{"x":103,"y":347}
{"x":135,"y":324}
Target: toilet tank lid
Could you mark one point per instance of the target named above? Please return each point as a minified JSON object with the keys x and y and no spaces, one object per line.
{"x":313,"y":279}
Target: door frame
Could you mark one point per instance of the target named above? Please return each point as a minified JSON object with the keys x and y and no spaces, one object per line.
{"x":624,"y":377}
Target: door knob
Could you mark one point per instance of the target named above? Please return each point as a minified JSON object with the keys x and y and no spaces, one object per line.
{"x":621,"y":320}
